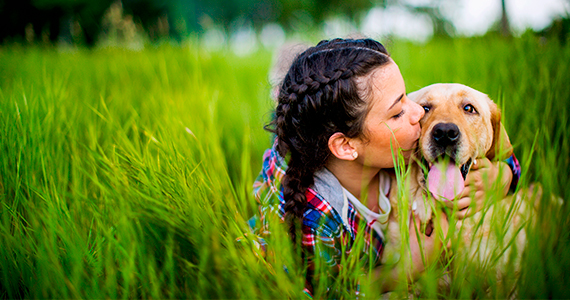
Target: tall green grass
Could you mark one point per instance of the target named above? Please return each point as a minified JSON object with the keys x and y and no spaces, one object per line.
{"x":128,"y":174}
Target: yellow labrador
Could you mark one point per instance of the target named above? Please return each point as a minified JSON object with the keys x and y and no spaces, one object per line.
{"x":460,"y":126}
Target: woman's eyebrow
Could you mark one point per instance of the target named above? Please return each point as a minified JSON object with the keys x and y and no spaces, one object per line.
{"x":397,"y":100}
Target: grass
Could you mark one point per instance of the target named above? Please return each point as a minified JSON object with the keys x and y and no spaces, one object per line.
{"x":128,"y":174}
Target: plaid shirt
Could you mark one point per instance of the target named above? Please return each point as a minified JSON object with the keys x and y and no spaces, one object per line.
{"x":326,"y":233}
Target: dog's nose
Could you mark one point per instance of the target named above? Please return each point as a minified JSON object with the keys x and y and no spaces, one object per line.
{"x":445,"y":133}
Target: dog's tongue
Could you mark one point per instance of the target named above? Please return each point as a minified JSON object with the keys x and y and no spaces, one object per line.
{"x":445,"y":182}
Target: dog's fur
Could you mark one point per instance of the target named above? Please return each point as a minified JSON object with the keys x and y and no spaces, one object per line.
{"x":481,"y":134}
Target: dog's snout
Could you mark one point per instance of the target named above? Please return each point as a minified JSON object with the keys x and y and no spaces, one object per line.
{"x":446,"y":133}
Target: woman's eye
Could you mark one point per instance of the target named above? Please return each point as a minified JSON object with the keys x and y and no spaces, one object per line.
{"x":469,"y":108}
{"x":426,"y":108}
{"x":399,"y":115}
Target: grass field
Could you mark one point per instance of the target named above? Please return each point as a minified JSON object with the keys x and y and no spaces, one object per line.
{"x":128,"y":174}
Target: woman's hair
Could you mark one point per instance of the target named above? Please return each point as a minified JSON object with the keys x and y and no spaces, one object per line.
{"x":324,"y":92}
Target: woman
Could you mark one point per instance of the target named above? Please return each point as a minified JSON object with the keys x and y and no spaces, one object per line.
{"x":342,"y":115}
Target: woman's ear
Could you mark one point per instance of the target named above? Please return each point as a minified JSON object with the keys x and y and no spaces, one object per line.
{"x":342,"y":147}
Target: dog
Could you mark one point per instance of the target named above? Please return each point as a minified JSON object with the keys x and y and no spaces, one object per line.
{"x":460,"y":126}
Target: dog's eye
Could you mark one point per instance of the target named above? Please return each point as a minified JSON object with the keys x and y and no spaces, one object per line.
{"x":426,"y":108}
{"x":469,"y":108}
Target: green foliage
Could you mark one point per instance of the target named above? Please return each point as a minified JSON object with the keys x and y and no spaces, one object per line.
{"x":128,"y":174}
{"x":115,"y":177}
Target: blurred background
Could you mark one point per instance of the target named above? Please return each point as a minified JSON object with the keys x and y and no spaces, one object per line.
{"x":246,"y":25}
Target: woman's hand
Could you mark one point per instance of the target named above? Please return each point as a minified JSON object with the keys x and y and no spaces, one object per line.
{"x":481,"y":178}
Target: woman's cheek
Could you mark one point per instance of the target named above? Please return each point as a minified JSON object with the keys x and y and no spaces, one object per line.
{"x":395,"y":142}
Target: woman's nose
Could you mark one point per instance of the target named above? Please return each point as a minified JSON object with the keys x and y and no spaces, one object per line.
{"x":417,"y":112}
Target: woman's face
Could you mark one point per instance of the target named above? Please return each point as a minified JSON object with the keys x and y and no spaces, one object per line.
{"x":391,"y":123}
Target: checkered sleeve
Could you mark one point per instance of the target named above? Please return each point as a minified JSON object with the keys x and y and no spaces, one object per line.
{"x":267,"y":186}
{"x":516,"y":169}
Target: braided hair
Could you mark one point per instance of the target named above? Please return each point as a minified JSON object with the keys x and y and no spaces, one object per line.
{"x":321,"y":94}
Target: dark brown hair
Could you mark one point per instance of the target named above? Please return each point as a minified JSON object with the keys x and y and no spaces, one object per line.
{"x":321,"y":94}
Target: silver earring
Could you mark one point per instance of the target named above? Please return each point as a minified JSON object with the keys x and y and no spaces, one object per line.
{"x":354,"y":154}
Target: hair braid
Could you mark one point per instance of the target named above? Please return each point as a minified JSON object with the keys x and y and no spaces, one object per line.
{"x":319,"y":96}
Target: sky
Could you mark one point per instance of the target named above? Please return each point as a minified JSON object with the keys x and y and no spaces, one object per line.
{"x":470,"y":17}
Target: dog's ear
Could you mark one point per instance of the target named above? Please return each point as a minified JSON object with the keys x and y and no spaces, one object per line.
{"x":501,"y":147}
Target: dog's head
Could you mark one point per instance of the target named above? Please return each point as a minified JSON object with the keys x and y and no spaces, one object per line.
{"x":460,"y":125}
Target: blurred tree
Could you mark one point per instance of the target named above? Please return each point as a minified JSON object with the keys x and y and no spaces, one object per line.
{"x":56,"y":18}
{"x":225,"y":13}
{"x":558,"y":29}
{"x":505,"y":27}
{"x":50,"y":17}
{"x":442,"y":26}
{"x":87,"y":13}
{"x":200,"y":14}
{"x":174,"y":18}
{"x":155,"y":16}
{"x":319,"y":10}
{"x":17,"y":16}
